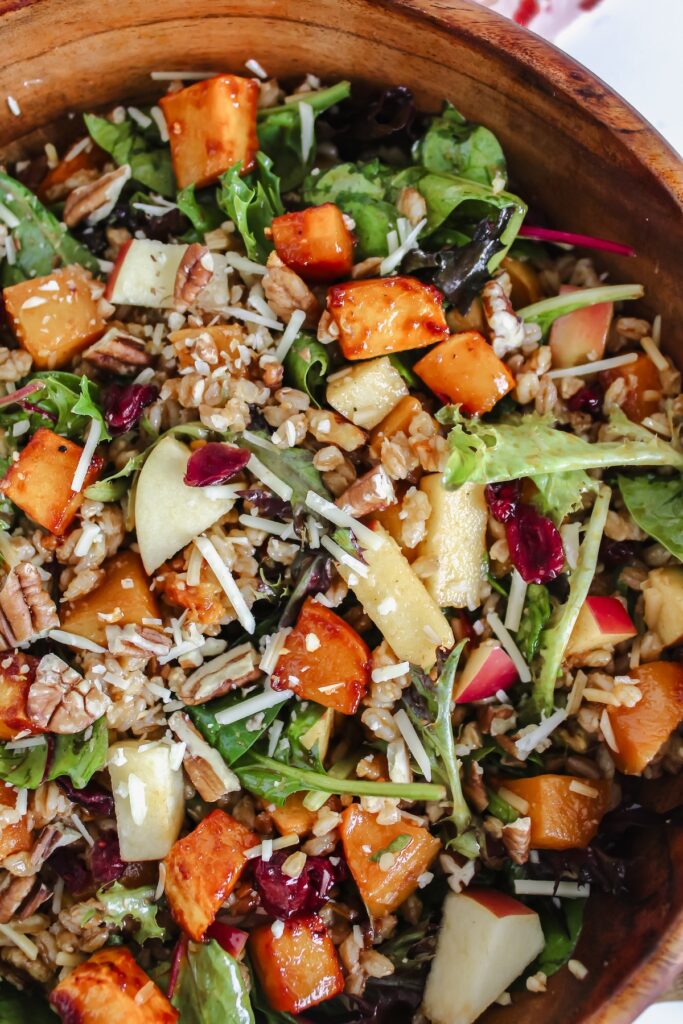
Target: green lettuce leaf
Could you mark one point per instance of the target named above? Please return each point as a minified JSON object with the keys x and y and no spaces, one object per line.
{"x":306,"y":366}
{"x":120,"y":903}
{"x":656,"y":505}
{"x":231,"y":741}
{"x":545,"y":312}
{"x":251,"y":201}
{"x":68,"y":403}
{"x":292,"y":465}
{"x":141,"y":148}
{"x":77,"y":756}
{"x":19,"y":1007}
{"x":559,"y":494}
{"x":303,"y":715}
{"x":535,"y":617}
{"x":211,"y":988}
{"x":456,"y":146}
{"x":41,"y":242}
{"x":500,"y":808}
{"x":201,"y":210}
{"x":561,"y":930}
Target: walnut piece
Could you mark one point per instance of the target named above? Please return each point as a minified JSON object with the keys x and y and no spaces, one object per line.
{"x":13,"y":896}
{"x":118,"y":352}
{"x":206,"y":769}
{"x":517,"y":840}
{"x":286,"y":292}
{"x":97,"y":199}
{"x":507,"y":330}
{"x":371,"y":492}
{"x":25,"y":608}
{"x":194,"y":273}
{"x":61,"y":700}
{"x":14,"y":364}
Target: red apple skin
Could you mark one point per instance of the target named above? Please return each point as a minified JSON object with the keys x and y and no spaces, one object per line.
{"x":611,"y":617}
{"x":498,"y":903}
{"x":581,"y":336}
{"x":111,"y":281}
{"x":488,"y":670}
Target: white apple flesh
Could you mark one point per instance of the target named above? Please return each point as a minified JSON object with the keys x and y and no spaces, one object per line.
{"x":488,"y":670}
{"x":150,"y":806}
{"x":663,"y":594}
{"x":602,"y":622}
{"x":145,"y":273}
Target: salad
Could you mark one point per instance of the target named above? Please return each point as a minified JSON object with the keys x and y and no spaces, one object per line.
{"x":341,"y":602}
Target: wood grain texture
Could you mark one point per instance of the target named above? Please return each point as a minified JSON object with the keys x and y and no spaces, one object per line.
{"x":575,"y":150}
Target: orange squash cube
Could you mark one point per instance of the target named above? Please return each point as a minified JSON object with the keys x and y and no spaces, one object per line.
{"x":396,"y":422}
{"x":641,"y":730}
{"x":203,"y":868}
{"x":15,"y":837}
{"x":73,"y":169}
{"x":389,"y":314}
{"x":205,"y":602}
{"x":299,"y":968}
{"x":17,"y":672}
{"x":226,"y":337}
{"x":324,"y":660}
{"x":54,"y":317}
{"x":561,"y":818}
{"x":466,"y":371}
{"x":40,"y":481}
{"x":124,"y":587}
{"x":315,"y":243}
{"x":211,"y":126}
{"x":106,"y":990}
{"x":412,"y":847}
{"x":643,"y":387}
{"x":292,"y":817}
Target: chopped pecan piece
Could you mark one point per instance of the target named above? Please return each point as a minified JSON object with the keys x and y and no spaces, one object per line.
{"x":517,"y":840}
{"x":97,"y":199}
{"x":474,"y":787}
{"x":13,"y":896}
{"x":138,"y":641}
{"x":61,"y":700}
{"x":194,"y":273}
{"x":371,"y":492}
{"x":206,"y":769}
{"x":286,"y":292}
{"x":230,"y":670}
{"x":118,"y":352}
{"x":494,"y":719}
{"x":40,"y":894}
{"x":25,"y":608}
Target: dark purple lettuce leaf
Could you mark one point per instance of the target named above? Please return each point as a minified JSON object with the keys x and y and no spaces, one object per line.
{"x":215,"y":463}
{"x":67,"y":864}
{"x":93,"y":797}
{"x":267,"y":504}
{"x":387,"y":118}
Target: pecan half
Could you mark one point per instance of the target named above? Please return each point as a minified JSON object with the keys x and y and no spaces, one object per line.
{"x":474,"y":787}
{"x":118,"y":352}
{"x":25,"y":608}
{"x":61,"y":700}
{"x":371,"y":492}
{"x":517,"y":840}
{"x":97,"y":199}
{"x":206,"y":769}
{"x":13,"y":896}
{"x":507,"y":330}
{"x":226,"y":672}
{"x":286,"y":292}
{"x":40,"y":894}
{"x":138,"y":641}
{"x":194,"y":273}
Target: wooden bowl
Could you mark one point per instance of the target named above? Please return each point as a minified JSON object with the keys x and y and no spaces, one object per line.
{"x":581,"y":154}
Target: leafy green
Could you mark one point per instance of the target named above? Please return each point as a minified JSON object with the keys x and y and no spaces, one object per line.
{"x":231,"y":741}
{"x":400,"y":363}
{"x":77,"y":756}
{"x":555,"y":639}
{"x":656,"y":504}
{"x":251,"y":201}
{"x":19,"y":1007}
{"x":364,"y":181}
{"x":141,"y":148}
{"x":23,"y":768}
{"x":303,"y":715}
{"x":306,"y":366}
{"x":294,"y":466}
{"x":561,"y":930}
{"x":120,"y":903}
{"x":87,"y":407}
{"x":535,"y":617}
{"x":41,"y":242}
{"x":456,"y":146}
{"x":546,"y":311}
{"x":279,"y":133}
{"x":210,"y":987}
{"x":559,"y":494}
{"x":401,"y":842}
{"x":201,"y":210}
{"x":68,"y":403}
{"x":500,"y":808}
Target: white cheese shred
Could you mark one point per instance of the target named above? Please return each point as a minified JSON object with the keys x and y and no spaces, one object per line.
{"x":586,"y":368}
{"x":278,"y":844}
{"x":530,"y":740}
{"x":509,"y":646}
{"x":342,"y":556}
{"x":227,"y":582}
{"x":566,"y":890}
{"x":413,"y":743}
{"x":295,"y":324}
{"x":390,"y":262}
{"x":339,"y":517}
{"x":307,"y":119}
{"x":276,"y":485}
{"x":515,"y":605}
{"x":91,"y":442}
{"x":253,"y":705}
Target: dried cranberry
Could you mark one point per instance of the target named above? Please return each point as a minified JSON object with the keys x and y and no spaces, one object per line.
{"x":105,"y":859}
{"x":286,"y":897}
{"x":124,"y":405}
{"x":535,"y":546}
{"x":586,"y":399}
{"x":65,"y":862}
{"x":215,"y":463}
{"x":267,"y":503}
{"x":504,"y":499}
{"x":614,"y":553}
{"x":93,"y":796}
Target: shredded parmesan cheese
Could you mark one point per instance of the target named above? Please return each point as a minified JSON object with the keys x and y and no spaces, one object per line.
{"x":277,"y":844}
{"x":390,"y":262}
{"x":530,"y":740}
{"x":276,"y":485}
{"x":509,"y":646}
{"x":227,"y":582}
{"x":336,"y":515}
{"x":413,"y":743}
{"x":91,"y":442}
{"x":307,"y":119}
{"x":19,"y":939}
{"x":342,"y":556}
{"x":253,"y":705}
{"x":608,"y":732}
{"x":295,"y":324}
{"x":565,"y":890}
{"x":62,"y":636}
{"x":515,"y":605}
{"x":600,"y":364}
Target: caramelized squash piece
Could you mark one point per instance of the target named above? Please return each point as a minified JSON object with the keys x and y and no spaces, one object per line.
{"x":315,"y":243}
{"x":292,"y":817}
{"x":73,"y":169}
{"x":106,"y":990}
{"x":40,"y":481}
{"x":206,"y":602}
{"x":17,"y":672}
{"x":226,"y":338}
{"x":298,"y":968}
{"x":641,"y":730}
{"x":203,"y":868}
{"x":466,"y":371}
{"x":389,"y":314}
{"x":385,"y":886}
{"x":14,"y":837}
{"x":325,"y":660}
{"x":211,"y":126}
{"x":125,"y":587}
{"x":54,"y":317}
{"x":561,"y":818}
{"x":642,"y":379}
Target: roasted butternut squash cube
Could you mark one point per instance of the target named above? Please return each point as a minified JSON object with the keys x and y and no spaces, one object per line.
{"x":292,"y":817}
{"x":299,"y":967}
{"x":564,"y":815}
{"x":40,"y":481}
{"x":325,"y":660}
{"x":383,"y":315}
{"x":643,"y":387}
{"x":80,"y":164}
{"x":205,"y":602}
{"x":203,"y":868}
{"x":641,"y":730}
{"x":384,"y":883}
{"x":395,"y":422}
{"x":125,"y":587}
{"x":55,"y":317}
{"x":211,"y":126}
{"x":315,"y":243}
{"x":16,"y":836}
{"x":106,"y":990}
{"x":17,"y":672}
{"x":466,"y":371}
{"x":225,"y":338}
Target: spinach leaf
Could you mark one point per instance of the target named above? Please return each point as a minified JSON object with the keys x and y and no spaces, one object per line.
{"x":211,"y":988}
{"x":656,"y":505}
{"x":292,"y":465}
{"x":120,"y":903}
{"x":306,"y":366}
{"x":361,"y":191}
{"x":535,"y":617}
{"x":23,"y":768}
{"x":545,"y":312}
{"x":500,"y":808}
{"x":18,"y":1007}
{"x":314,"y":577}
{"x":303,"y":715}
{"x":561,"y":930}
{"x":201,"y":210}
{"x":66,"y":403}
{"x":234,"y":740}
{"x":374,"y":221}
{"x":77,"y":756}
{"x":41,"y":242}
{"x":401,"y":363}
{"x":141,"y":148}
{"x":251,"y":202}
{"x":456,"y":146}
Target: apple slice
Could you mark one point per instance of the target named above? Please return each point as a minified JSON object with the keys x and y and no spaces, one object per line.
{"x":663,"y":595}
{"x":488,"y":670}
{"x":581,"y":336}
{"x":144,"y":274}
{"x":486,"y":940}
{"x":149,"y":798}
{"x":602,"y":622}
{"x":168,"y":513}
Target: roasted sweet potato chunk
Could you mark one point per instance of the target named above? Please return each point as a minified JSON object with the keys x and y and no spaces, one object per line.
{"x":211,"y":126}
{"x":125,"y":587}
{"x":643,"y":387}
{"x":17,"y":672}
{"x":226,"y":338}
{"x":384,"y":315}
{"x":15,"y":836}
{"x":325,"y":660}
{"x":293,"y":817}
{"x":40,"y":481}
{"x":298,"y":968}
{"x":54,"y":317}
{"x":397,"y":421}
{"x":465,"y":370}
{"x":564,"y":816}
{"x":315,"y":243}
{"x":106,"y":990}
{"x":641,"y":730}
{"x":385,"y":883}
{"x":203,"y":868}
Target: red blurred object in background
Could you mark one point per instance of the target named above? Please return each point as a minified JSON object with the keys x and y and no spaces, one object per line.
{"x":547,"y":17}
